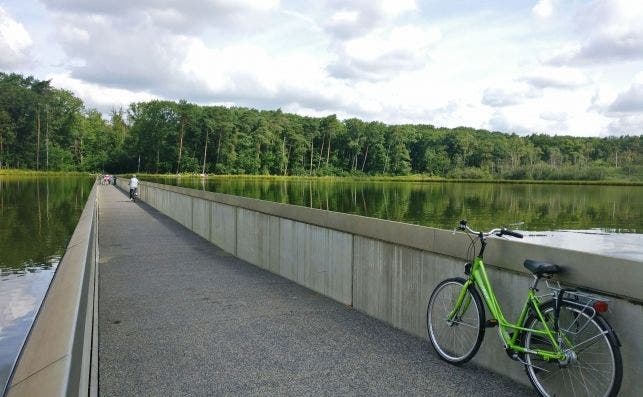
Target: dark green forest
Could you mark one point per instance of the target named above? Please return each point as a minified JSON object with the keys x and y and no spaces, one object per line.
{"x":45,"y":128}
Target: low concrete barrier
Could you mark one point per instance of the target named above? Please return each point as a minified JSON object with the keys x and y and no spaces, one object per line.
{"x":59,"y":357}
{"x":389,"y":269}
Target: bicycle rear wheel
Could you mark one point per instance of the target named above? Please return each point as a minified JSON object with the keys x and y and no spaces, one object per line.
{"x":457,"y":340}
{"x":593,"y":366}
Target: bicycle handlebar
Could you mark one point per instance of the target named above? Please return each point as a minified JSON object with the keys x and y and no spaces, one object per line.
{"x":497,"y":232}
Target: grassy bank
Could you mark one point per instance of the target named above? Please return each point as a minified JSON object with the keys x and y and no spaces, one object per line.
{"x":385,"y":178}
{"x":23,"y":172}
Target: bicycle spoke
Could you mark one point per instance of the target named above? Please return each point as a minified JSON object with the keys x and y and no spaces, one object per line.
{"x":456,"y":339}
{"x":466,"y":324}
{"x":590,"y":368}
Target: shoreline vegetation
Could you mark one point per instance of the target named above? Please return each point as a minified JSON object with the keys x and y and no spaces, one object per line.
{"x":329,"y":178}
{"x":389,"y":178}
{"x":45,"y":128}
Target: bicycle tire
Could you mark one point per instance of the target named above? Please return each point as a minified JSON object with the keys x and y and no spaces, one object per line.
{"x":466,"y":333}
{"x":583,"y":375}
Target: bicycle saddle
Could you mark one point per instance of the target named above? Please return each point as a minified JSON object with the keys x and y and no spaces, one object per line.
{"x":540,"y":268}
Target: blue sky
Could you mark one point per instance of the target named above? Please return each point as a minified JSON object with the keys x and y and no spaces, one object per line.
{"x":540,"y":66}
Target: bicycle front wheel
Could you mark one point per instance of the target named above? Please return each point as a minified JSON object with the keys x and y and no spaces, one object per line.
{"x":593,"y":365}
{"x":455,"y":336}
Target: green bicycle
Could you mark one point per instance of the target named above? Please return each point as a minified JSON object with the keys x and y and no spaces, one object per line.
{"x":565,"y":344}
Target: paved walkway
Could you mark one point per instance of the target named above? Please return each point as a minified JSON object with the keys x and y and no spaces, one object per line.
{"x":179,"y":316}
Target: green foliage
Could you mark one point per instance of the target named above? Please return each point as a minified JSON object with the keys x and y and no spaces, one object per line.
{"x":46,"y":128}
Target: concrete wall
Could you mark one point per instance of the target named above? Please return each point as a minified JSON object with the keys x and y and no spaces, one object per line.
{"x":59,"y":357}
{"x":389,"y":269}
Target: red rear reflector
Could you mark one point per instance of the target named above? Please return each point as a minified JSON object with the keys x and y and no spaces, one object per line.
{"x":600,"y":306}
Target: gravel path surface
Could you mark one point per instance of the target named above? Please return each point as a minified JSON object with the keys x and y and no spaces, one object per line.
{"x":180,"y":317}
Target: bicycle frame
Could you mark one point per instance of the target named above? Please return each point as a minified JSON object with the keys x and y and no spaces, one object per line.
{"x":478,"y":277}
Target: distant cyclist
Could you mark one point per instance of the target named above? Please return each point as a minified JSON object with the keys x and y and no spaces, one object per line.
{"x":133,"y":187}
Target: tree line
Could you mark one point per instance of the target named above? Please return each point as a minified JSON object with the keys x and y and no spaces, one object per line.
{"x":45,"y":128}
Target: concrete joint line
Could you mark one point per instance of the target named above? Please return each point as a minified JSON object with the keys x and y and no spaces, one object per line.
{"x":74,"y":245}
{"x":13,"y":384}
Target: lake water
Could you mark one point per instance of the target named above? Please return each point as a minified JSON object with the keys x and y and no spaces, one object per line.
{"x":37,"y":217}
{"x":601,"y":219}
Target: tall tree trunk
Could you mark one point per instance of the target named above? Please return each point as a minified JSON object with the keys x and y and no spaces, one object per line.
{"x":616,"y":160}
{"x":47,"y":137}
{"x":321,"y":155}
{"x":282,"y":166}
{"x":287,"y":160}
{"x":365,"y":156}
{"x":388,"y":157}
{"x":205,"y":149}
{"x":218,"y":147}
{"x":178,"y":163}
{"x":312,"y":150}
{"x":328,"y":152}
{"x":80,"y":150}
{"x":38,"y":139}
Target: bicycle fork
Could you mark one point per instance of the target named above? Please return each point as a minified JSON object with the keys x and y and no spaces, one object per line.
{"x":461,"y":305}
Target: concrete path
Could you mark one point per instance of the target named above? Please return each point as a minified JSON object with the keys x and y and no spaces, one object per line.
{"x":180,"y":317}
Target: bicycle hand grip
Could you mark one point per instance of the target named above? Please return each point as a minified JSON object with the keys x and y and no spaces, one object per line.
{"x":511,"y":233}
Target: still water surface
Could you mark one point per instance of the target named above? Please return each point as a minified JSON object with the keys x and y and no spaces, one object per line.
{"x":37,"y":217}
{"x":601,"y":219}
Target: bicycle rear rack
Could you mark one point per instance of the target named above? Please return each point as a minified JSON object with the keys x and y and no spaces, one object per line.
{"x":583,"y":300}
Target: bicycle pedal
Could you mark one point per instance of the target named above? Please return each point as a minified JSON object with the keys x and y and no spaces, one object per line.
{"x":491,"y":323}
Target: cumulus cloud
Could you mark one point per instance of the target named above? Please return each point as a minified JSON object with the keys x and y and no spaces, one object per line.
{"x":626,"y":125}
{"x":168,"y":49}
{"x":97,"y":96}
{"x":15,"y":41}
{"x":500,"y":121}
{"x":631,"y":100}
{"x":623,"y":110}
{"x":559,"y":77}
{"x":508,"y":94}
{"x":553,"y":116}
{"x":175,"y":15}
{"x":544,"y":8}
{"x":249,"y":75}
{"x":523,"y":122}
{"x":384,"y":53}
{"x":609,"y":30}
{"x":348,"y":20}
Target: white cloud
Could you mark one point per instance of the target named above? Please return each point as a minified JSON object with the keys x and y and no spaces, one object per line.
{"x":73,"y":34}
{"x":383,"y":53}
{"x":97,"y":96}
{"x":397,"y":7}
{"x":507,"y":94}
{"x":554,"y":116}
{"x":556,"y":77}
{"x":544,"y":8}
{"x":630,"y":101}
{"x":348,"y":20}
{"x":251,"y":75}
{"x":15,"y":41}
{"x":615,"y":103}
{"x":608,"y":30}
{"x":631,"y":124}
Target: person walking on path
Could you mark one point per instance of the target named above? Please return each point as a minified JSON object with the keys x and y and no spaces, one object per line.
{"x":133,"y":187}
